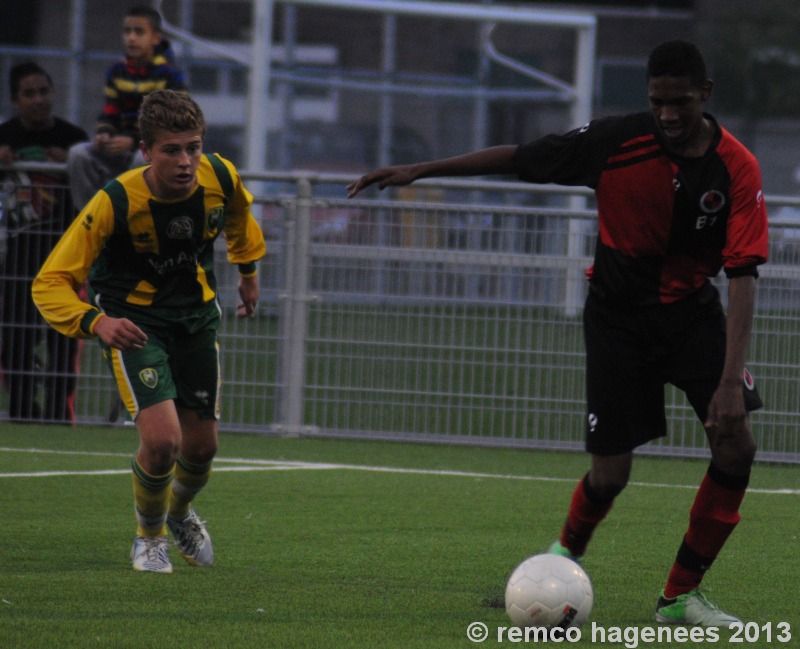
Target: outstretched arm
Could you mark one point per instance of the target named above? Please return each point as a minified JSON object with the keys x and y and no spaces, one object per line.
{"x":494,"y":160}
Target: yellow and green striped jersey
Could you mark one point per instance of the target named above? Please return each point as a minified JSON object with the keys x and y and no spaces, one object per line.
{"x":147,"y":256}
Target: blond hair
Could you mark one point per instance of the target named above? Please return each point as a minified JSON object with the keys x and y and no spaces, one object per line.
{"x":169,"y":110}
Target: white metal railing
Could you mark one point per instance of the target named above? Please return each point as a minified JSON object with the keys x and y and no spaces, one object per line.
{"x":443,"y":317}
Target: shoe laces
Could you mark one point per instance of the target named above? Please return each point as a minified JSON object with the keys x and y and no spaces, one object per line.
{"x":708,"y":612}
{"x":191,"y":530}
{"x":701,"y":595}
{"x":195,"y":524}
{"x":153,"y":549}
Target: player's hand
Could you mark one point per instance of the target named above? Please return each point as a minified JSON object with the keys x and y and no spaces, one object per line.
{"x":400,"y":175}
{"x":248,"y":291}
{"x":120,"y":333}
{"x":726,"y":412}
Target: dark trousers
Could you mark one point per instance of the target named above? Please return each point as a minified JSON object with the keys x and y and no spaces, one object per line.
{"x":22,"y":331}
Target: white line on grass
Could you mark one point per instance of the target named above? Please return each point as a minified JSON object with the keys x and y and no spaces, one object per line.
{"x":494,"y":476}
{"x":251,"y":464}
{"x":9,"y":449}
{"x":223,"y":469}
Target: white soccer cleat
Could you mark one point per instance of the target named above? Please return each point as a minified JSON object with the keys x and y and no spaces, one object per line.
{"x":151,"y":554}
{"x":192,"y":539}
{"x":692,"y":609}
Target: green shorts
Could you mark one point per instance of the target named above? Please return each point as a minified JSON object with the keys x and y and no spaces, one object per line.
{"x":173,"y":365}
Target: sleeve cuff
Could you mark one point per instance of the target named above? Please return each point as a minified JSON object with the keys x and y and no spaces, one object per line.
{"x":742,"y":271}
{"x":248,"y":270}
{"x":89,"y":320}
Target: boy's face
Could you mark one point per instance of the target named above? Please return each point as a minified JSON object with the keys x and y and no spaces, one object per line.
{"x":174,"y":158}
{"x":34,"y":101}
{"x":139,"y":38}
{"x":677,"y":106}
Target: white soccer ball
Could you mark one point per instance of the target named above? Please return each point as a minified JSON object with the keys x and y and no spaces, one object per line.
{"x":548,"y":590}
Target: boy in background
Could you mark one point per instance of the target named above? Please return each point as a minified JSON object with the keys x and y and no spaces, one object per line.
{"x":146,"y":68}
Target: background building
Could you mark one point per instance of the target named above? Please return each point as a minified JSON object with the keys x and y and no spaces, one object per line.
{"x":329,"y":108}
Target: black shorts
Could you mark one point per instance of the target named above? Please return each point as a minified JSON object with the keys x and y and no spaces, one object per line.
{"x":633,"y":352}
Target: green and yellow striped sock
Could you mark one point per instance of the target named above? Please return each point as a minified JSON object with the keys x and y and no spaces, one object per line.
{"x":189,"y":480}
{"x":151,"y":499}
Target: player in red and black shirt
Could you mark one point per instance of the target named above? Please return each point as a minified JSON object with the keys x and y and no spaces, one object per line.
{"x":678,"y":199}
{"x":668,"y":221}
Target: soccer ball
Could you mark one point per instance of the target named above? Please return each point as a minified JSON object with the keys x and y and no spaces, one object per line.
{"x":548,"y":590}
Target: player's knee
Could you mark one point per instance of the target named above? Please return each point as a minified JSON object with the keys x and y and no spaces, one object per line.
{"x":610,"y":490}
{"x":202,"y":453}
{"x":160,"y":455}
{"x":604,"y":488}
{"x":200,"y":448}
{"x":735,"y":456}
{"x":608,"y":476}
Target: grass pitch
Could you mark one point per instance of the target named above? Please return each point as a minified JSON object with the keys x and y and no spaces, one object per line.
{"x":341,"y":544}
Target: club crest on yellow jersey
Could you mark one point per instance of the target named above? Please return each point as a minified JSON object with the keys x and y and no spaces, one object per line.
{"x":214,"y":218}
{"x":181,"y":227}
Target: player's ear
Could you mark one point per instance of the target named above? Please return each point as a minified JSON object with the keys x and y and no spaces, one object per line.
{"x":145,"y":152}
{"x":708,"y":86}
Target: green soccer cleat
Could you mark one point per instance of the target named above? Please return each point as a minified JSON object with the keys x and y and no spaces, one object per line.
{"x":151,"y":554}
{"x":692,"y":609}
{"x":557,"y":548}
{"x":192,"y":539}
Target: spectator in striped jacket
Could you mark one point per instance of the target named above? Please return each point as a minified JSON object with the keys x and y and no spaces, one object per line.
{"x":147,"y":66}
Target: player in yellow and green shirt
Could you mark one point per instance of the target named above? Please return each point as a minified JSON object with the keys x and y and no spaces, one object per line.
{"x":145,"y":243}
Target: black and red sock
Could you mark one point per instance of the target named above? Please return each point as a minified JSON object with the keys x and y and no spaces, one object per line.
{"x":587,"y":509}
{"x":714,"y":515}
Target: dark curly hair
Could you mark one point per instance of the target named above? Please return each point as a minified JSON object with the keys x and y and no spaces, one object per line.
{"x":678,"y":59}
{"x":22,"y":70}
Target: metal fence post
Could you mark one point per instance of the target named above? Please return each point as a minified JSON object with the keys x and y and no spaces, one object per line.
{"x":283,"y":354}
{"x":4,"y":217}
{"x":294,"y":370}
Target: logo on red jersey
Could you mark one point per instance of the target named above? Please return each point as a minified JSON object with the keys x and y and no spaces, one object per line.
{"x":712,"y":201}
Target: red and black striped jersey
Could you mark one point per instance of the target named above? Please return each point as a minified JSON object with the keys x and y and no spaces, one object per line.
{"x":666,"y":223}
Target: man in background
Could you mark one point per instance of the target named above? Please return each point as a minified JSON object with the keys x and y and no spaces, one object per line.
{"x":37,"y":210}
